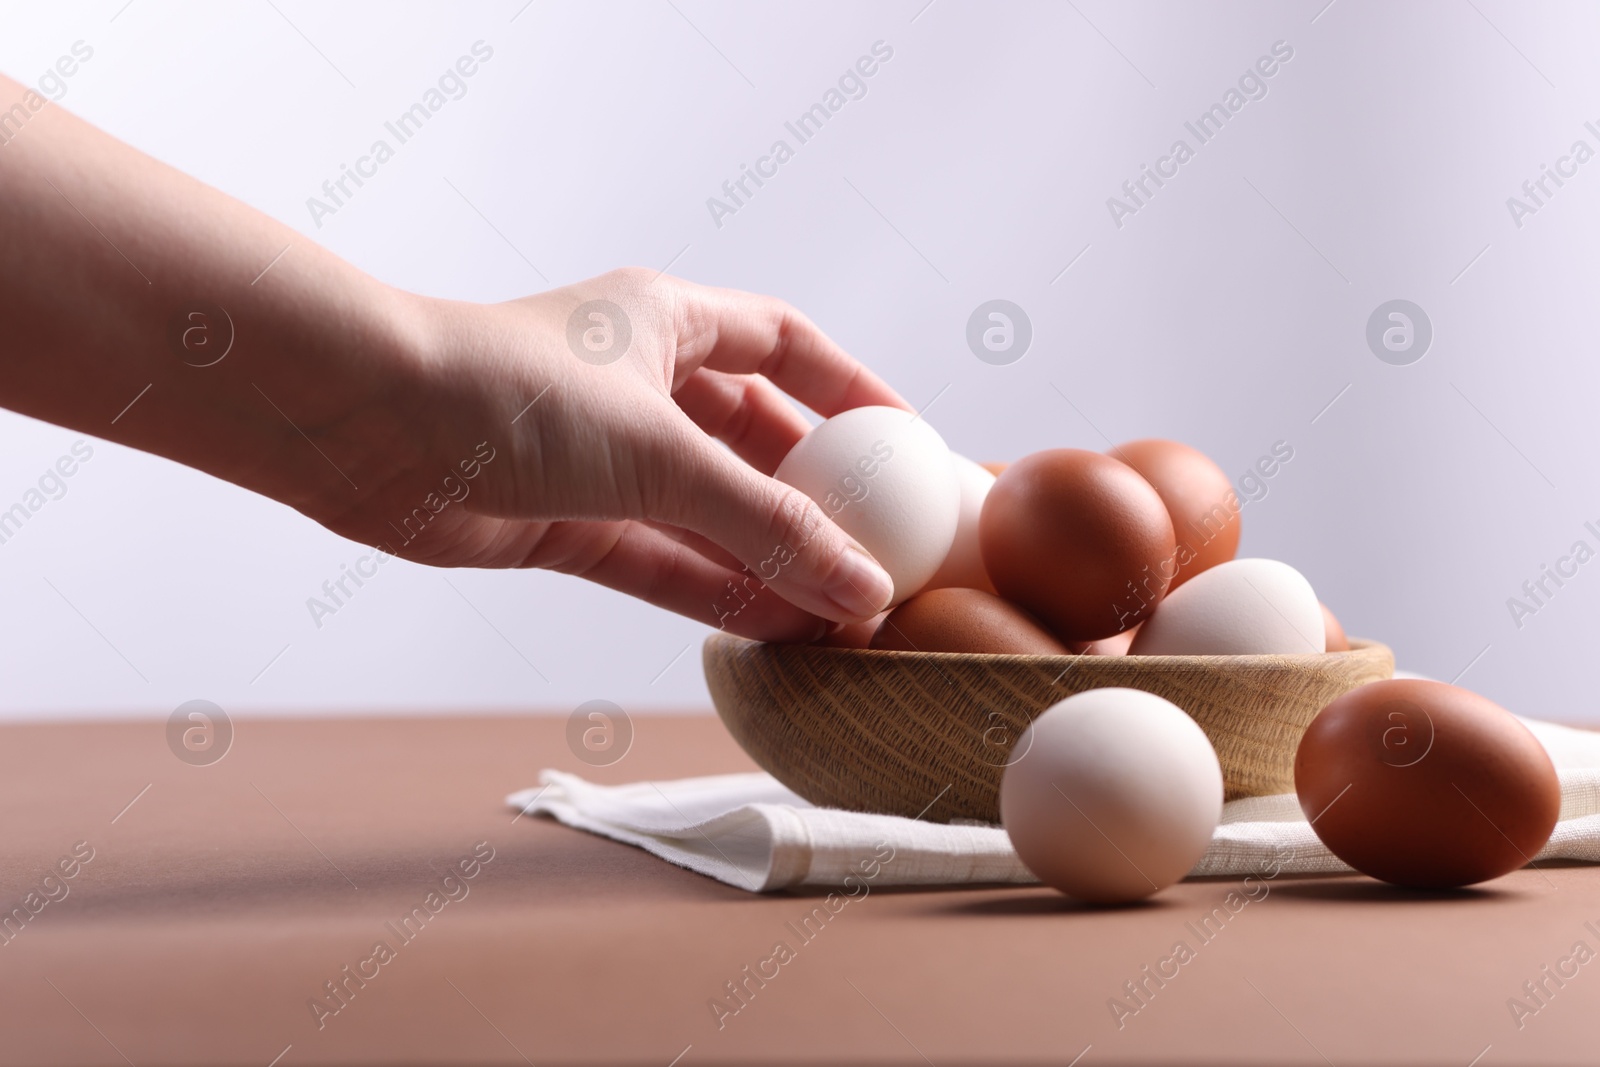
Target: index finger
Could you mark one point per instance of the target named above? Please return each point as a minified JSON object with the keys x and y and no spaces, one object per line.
{"x":747,"y":333}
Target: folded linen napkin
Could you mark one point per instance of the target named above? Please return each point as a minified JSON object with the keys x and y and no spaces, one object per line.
{"x":750,"y":831}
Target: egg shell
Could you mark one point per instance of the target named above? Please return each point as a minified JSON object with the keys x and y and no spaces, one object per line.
{"x":1424,"y":784}
{"x":1240,"y":608}
{"x":1111,"y":795}
{"x":957,"y":619}
{"x":1068,"y":533}
{"x":1199,"y":497}
{"x":853,"y":634}
{"x":1334,"y":638}
{"x":1115,"y":645}
{"x":994,"y":467}
{"x":885,"y":477}
{"x":963,"y":565}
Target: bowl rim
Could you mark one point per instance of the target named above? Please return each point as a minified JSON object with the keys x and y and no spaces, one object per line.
{"x":1269,"y":661}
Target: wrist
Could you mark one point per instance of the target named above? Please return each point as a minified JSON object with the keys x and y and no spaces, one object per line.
{"x":357,"y":375}
{"x":311,"y":405}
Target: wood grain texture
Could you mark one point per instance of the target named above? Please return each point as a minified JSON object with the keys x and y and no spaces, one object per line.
{"x":929,"y":733}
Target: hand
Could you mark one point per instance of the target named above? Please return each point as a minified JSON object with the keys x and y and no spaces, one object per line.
{"x":523,"y":454}
{"x":448,"y":433}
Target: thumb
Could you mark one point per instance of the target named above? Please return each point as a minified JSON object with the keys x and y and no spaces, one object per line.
{"x":781,"y":535}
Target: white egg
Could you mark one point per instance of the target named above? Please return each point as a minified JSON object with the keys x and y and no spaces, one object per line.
{"x":963,"y":565}
{"x":1111,"y":795}
{"x":1242,"y":607}
{"x":885,"y":476}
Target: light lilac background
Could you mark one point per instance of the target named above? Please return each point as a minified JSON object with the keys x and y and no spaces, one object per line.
{"x":1228,"y":313}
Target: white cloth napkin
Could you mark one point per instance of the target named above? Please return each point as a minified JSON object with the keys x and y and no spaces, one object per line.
{"x":749,"y":831}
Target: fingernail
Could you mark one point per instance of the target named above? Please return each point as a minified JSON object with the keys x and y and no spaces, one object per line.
{"x":858,"y":585}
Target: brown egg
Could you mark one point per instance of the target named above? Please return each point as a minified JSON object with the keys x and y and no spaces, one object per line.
{"x":1198,"y":496}
{"x":964,"y":620}
{"x":1336,"y":640}
{"x":1115,"y":645}
{"x":1079,"y":539}
{"x":854,"y":634}
{"x":995,"y":468}
{"x":1423,"y":784}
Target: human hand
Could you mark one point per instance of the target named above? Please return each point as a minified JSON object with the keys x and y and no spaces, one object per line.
{"x":448,"y":433}
{"x":516,"y":452}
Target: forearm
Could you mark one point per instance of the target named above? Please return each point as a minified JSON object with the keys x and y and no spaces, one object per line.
{"x":103,"y":249}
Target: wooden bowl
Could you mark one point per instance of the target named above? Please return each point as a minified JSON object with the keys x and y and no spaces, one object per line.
{"x":929,"y":733}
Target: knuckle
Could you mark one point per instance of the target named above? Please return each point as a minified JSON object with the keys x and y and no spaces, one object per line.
{"x":663,"y":578}
{"x":697,"y":328}
{"x":850,"y":384}
{"x":629,"y":277}
{"x":737,"y":421}
{"x":782,"y":345}
{"x":641,"y":291}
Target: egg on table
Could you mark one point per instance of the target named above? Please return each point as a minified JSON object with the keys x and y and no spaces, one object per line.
{"x":1111,"y":795}
{"x":1424,"y":784}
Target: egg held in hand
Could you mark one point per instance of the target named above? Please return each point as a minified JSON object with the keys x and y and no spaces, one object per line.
{"x":1423,"y":784}
{"x":886,"y":478}
{"x":963,"y":565}
{"x":1244,"y":607}
{"x":964,"y":620}
{"x":1111,"y":795}
{"x":1078,"y":539}
{"x":1199,"y":498}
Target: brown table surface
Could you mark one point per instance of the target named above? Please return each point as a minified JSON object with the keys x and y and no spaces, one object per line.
{"x":220,"y":901}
